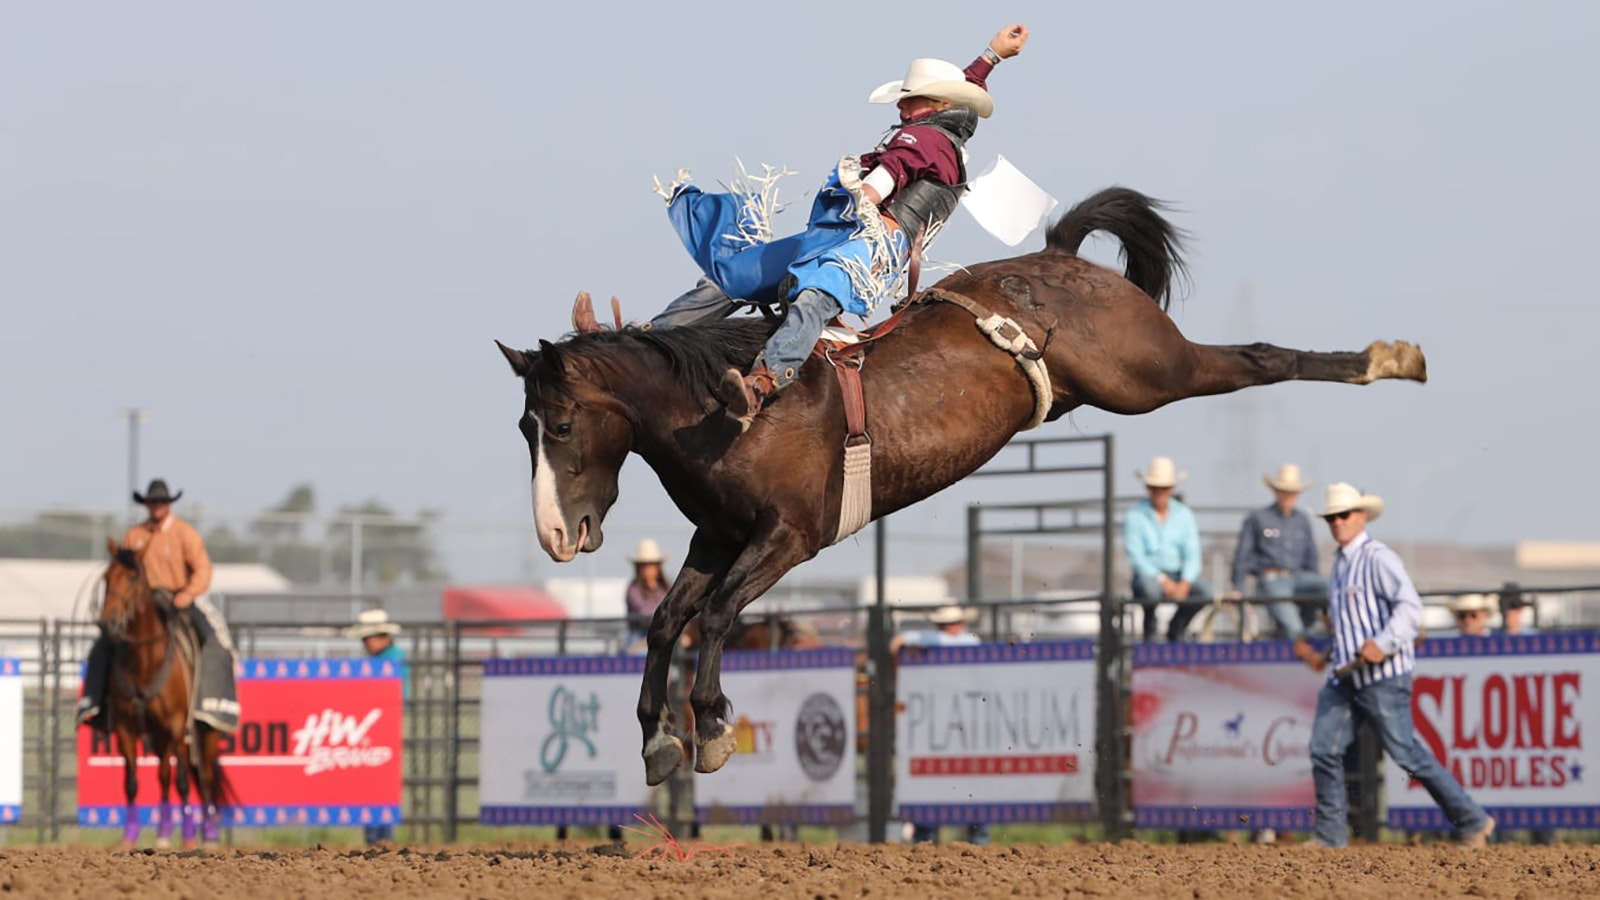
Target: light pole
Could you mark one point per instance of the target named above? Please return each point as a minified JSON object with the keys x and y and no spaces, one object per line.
{"x":133,"y":415}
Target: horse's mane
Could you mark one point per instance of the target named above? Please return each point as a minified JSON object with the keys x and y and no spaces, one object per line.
{"x":697,"y":355}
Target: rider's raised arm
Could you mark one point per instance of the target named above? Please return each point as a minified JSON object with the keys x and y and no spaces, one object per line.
{"x":1006,"y":44}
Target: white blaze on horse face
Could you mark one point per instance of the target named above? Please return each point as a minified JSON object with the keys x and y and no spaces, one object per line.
{"x":548,"y":520}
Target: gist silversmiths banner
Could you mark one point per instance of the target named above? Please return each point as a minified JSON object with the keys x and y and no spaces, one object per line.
{"x":1222,"y":736}
{"x":559,"y":742}
{"x":1516,"y":720}
{"x":995,"y":733}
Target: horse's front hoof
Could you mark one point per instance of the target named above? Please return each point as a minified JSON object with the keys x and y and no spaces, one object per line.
{"x":713,"y":754}
{"x":662,"y":756}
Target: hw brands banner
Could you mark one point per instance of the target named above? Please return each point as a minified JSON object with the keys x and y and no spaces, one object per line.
{"x":560,"y":740}
{"x":1514,"y":718}
{"x":319,"y":743}
{"x":10,"y":740}
{"x":1222,"y":736}
{"x":995,"y":733}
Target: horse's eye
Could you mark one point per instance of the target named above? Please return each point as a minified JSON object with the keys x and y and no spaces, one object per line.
{"x":561,"y":430}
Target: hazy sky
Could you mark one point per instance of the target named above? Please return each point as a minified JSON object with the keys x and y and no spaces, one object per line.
{"x":292,"y":230}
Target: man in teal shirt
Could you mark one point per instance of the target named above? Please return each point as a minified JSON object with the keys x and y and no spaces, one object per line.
{"x":376,"y":634}
{"x":1162,"y":541}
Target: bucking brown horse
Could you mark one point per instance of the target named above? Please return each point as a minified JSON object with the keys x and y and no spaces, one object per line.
{"x":151,"y":684}
{"x":941,"y":399}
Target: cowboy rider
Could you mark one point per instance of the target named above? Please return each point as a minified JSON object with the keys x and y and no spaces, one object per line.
{"x":175,"y":562}
{"x":869,"y":214}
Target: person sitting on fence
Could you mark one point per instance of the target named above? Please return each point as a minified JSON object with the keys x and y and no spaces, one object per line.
{"x":376,"y":634}
{"x":1277,"y":550}
{"x":1162,"y":540}
{"x":173,"y":558}
{"x":950,"y":630}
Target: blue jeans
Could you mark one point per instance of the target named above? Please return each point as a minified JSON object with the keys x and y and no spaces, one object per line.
{"x":1307,"y":585}
{"x":1386,"y":705}
{"x":787,"y":349}
{"x":376,"y":833}
{"x":977,"y":833}
{"x":1149,"y":595}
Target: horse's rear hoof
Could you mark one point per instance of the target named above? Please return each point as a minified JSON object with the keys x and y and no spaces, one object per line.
{"x":662,"y":756}
{"x":713,"y":754}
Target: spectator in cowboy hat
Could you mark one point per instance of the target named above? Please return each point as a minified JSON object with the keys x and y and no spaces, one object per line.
{"x":949,"y":630}
{"x":1472,"y":614}
{"x":1277,"y":550}
{"x":1514,"y":606}
{"x":1162,"y":540}
{"x":376,"y":634}
{"x":645,"y":592}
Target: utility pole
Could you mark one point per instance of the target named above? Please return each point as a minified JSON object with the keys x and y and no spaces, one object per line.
{"x":133,"y":415}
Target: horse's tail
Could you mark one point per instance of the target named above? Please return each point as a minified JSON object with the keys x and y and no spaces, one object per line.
{"x":1152,"y":247}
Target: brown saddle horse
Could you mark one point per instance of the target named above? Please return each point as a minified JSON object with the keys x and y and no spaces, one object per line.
{"x":941,"y":400}
{"x":152,"y":681}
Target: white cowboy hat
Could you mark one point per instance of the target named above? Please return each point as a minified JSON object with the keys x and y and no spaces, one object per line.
{"x":949,"y":615}
{"x":1471,"y":603}
{"x":1162,"y":473}
{"x":938,"y":80}
{"x":1287,"y":479}
{"x":371,"y":622}
{"x":1342,"y":497}
{"x":648,"y":552}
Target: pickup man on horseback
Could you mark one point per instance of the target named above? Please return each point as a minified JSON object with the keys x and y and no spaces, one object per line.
{"x":175,"y":561}
{"x":871,"y":217}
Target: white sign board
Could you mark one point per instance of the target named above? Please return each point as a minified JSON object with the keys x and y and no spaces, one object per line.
{"x":794,"y":721}
{"x":559,"y":742}
{"x":995,"y":733}
{"x":1514,"y":719}
{"x":1222,"y":736}
{"x":10,"y":740}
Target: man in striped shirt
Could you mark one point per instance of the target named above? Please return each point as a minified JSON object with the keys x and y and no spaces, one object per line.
{"x":1375,"y":612}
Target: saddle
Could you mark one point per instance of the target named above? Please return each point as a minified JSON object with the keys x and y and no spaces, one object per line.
{"x":845,"y":349}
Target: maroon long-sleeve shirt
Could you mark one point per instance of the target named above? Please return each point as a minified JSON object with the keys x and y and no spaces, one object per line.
{"x":921,"y":151}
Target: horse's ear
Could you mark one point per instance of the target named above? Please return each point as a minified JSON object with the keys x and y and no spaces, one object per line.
{"x":111,"y":547}
{"x":519,"y":360}
{"x":616,"y":311}
{"x":583,"y":320}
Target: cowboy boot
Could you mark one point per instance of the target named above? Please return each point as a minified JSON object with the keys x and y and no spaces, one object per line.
{"x":744,"y":395}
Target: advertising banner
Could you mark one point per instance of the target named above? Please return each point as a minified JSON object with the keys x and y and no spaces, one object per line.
{"x":794,"y":719}
{"x":1514,"y":718}
{"x":1222,"y":736}
{"x":319,"y":743}
{"x":10,"y":740}
{"x":559,"y":742}
{"x":995,"y":733}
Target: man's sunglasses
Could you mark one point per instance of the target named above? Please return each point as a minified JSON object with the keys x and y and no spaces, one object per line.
{"x":1341,"y":516}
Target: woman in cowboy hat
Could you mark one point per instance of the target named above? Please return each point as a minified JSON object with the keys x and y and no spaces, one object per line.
{"x":1277,"y":550}
{"x":175,"y":562}
{"x":1162,"y":540}
{"x":645,"y":592}
{"x":864,"y":222}
{"x":1375,"y":612}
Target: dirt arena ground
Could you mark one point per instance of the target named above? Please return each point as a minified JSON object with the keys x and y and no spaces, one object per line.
{"x":811,"y":871}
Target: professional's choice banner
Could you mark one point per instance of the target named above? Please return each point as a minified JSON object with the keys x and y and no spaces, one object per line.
{"x":1222,"y":736}
{"x":995,"y":733}
{"x":1515,"y":720}
{"x":559,"y":741}
{"x":794,"y":722}
{"x":10,"y":740}
{"x":319,"y":743}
